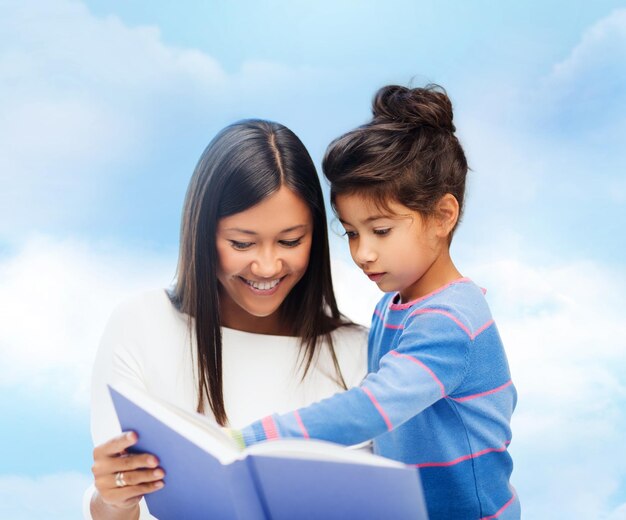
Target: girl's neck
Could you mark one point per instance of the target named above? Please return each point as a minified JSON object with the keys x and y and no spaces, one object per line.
{"x":441,"y":272}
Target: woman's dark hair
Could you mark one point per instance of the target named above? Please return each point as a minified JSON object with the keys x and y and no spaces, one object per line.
{"x":408,"y":152}
{"x":244,"y":164}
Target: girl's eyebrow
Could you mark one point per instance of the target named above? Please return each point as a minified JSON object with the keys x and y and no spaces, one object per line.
{"x":368,"y":219}
{"x":254,"y":233}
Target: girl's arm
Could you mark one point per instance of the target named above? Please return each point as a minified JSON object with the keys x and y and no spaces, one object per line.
{"x":429,"y":362}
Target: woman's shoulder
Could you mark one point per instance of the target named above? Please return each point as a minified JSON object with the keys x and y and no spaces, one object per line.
{"x":148,"y":304}
{"x":350,"y":334}
{"x":144,"y":329}
{"x":145,"y":314}
{"x":350,"y":343}
{"x":350,"y":346}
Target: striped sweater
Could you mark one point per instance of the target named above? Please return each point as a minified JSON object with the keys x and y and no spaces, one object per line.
{"x":438,"y":396}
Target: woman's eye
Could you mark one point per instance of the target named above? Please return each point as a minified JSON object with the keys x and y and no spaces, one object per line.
{"x":241,"y":245}
{"x":291,"y":243}
{"x":383,"y":231}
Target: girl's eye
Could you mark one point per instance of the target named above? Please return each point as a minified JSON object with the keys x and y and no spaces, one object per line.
{"x":350,"y":234}
{"x":291,"y":243}
{"x":383,"y":231}
{"x":241,"y":245}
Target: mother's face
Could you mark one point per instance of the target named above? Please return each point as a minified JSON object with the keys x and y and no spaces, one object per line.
{"x":262,"y":252}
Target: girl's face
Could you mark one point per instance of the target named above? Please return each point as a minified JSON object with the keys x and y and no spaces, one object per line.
{"x":398,"y":249}
{"x":262,"y":252}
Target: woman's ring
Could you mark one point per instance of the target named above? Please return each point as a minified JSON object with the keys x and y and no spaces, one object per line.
{"x":119,"y":480}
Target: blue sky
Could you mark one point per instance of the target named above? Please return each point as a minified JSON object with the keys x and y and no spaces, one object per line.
{"x":106,"y":106}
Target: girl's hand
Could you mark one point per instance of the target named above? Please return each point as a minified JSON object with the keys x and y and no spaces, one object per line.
{"x":122,"y":478}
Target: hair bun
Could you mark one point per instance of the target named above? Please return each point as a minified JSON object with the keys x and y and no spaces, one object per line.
{"x":412,"y":108}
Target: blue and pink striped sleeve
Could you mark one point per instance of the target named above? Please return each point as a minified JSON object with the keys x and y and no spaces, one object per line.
{"x":429,"y":362}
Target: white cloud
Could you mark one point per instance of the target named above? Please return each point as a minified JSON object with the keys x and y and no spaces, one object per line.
{"x":547,"y":153}
{"x":619,"y":513}
{"x":53,"y":497}
{"x":601,"y":52}
{"x":55,"y":299}
{"x":356,"y":296}
{"x":586,"y":91}
{"x":77,"y":97}
{"x":48,"y":40}
{"x":86,"y":100}
{"x":564,"y":331}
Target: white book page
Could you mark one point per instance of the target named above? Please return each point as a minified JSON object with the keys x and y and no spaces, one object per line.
{"x":202,"y":431}
{"x":207,"y":435}
{"x":319,"y":450}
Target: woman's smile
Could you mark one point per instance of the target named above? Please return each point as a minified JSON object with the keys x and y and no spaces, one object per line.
{"x":263,"y":288}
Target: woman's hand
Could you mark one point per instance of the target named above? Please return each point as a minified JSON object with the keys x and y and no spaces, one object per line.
{"x":122,"y":478}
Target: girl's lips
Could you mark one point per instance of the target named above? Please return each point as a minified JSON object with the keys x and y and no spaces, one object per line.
{"x":375,"y":277}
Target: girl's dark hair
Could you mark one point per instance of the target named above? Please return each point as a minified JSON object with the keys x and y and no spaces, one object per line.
{"x":408,"y":152}
{"x":244,"y":164}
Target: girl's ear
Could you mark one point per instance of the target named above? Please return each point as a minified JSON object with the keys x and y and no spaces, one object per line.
{"x":446,"y":214}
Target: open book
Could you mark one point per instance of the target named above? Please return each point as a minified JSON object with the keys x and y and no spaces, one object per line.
{"x":208,"y":476}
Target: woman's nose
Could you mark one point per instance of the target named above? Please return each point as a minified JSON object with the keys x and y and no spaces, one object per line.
{"x":266,"y":265}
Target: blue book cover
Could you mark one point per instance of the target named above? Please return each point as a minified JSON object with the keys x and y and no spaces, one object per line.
{"x":209,"y":476}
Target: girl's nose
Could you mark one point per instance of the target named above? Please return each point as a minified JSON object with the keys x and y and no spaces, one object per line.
{"x":364,"y":254}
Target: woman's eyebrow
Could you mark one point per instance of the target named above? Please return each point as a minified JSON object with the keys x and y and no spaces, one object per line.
{"x":254,"y":233}
{"x":243,"y":231}
{"x":294,"y":228}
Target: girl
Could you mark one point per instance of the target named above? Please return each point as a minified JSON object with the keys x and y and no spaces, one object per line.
{"x":439,"y":394}
{"x":252,"y":311}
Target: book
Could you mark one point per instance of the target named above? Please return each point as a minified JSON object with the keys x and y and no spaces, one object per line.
{"x":208,"y":476}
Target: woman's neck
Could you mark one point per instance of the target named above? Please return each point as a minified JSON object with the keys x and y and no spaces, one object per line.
{"x":234,"y":317}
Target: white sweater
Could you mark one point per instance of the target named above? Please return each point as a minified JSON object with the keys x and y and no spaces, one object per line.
{"x":146,"y":343}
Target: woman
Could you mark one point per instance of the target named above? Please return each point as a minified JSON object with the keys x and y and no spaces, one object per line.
{"x":251,"y":326}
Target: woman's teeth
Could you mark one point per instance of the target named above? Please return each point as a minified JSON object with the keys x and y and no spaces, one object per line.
{"x":263,"y":286}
